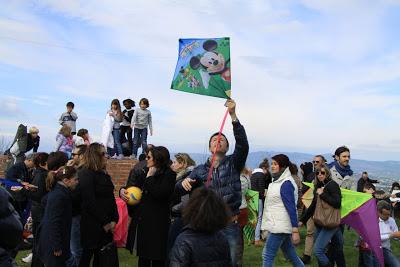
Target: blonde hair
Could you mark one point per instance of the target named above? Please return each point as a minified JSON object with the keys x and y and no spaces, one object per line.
{"x":185,"y":159}
{"x":65,"y":130}
{"x":33,"y":130}
{"x":93,"y":158}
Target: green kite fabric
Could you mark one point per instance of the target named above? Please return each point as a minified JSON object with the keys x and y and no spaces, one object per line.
{"x":351,"y":200}
{"x":204,"y":67}
{"x":252,"y":209}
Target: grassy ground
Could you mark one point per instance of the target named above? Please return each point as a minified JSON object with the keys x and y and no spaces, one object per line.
{"x":252,"y":254}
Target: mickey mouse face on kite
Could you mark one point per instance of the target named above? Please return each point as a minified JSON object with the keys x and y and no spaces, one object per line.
{"x":212,"y":61}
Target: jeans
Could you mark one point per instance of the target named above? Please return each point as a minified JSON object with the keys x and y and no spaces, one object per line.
{"x":259,"y":220}
{"x":117,"y":141}
{"x":390,"y":259}
{"x":139,"y":139}
{"x":321,"y":241}
{"x":126,"y":135}
{"x":368,"y":259}
{"x":284,"y":242}
{"x":232,"y":234}
{"x":75,"y":245}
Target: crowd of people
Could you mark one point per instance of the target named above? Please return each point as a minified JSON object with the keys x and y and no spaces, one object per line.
{"x":189,"y":214}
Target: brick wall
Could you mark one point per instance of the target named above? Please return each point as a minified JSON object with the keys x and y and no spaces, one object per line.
{"x":118,"y":170}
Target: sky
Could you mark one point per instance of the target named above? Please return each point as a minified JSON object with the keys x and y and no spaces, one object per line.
{"x":307,"y":76}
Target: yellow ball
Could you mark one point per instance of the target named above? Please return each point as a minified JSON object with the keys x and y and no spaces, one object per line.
{"x":134,"y":194}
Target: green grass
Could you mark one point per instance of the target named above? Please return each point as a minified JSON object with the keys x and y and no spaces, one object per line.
{"x":252,"y":254}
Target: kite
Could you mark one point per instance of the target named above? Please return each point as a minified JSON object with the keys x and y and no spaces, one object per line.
{"x":204,"y":67}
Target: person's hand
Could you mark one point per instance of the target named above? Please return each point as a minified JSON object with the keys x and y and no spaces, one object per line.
{"x":107,"y":227}
{"x":152,"y":171}
{"x":58,"y":253}
{"x":301,"y":224}
{"x":320,"y":191}
{"x":231,"y":105}
{"x":112,"y":225}
{"x":395,"y":235}
{"x":295,"y":238}
{"x":31,"y":187}
{"x":187,"y":184}
{"x":70,"y":163}
{"x":122,"y":195}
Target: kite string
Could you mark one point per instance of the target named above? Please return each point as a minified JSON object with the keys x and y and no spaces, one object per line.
{"x":216,"y":148}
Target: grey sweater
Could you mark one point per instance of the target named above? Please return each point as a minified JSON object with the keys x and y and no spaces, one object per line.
{"x":69,"y":119}
{"x":142,"y":119}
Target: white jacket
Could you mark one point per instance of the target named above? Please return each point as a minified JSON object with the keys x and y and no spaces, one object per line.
{"x":275,"y":217}
{"x":107,"y":138}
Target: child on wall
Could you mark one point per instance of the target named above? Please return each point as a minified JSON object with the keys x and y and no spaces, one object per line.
{"x":69,"y":118}
{"x":141,"y":120}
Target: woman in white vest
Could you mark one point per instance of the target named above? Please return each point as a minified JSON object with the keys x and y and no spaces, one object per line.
{"x":280,"y":218}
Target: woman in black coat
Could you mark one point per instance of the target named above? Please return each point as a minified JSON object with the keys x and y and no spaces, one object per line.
{"x":99,"y":213}
{"x":55,"y":228}
{"x":154,"y":209}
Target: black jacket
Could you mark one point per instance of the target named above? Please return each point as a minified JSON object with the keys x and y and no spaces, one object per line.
{"x":154,"y":215}
{"x":17,"y":172}
{"x":197,"y":249}
{"x":331,"y":195}
{"x":98,"y":207}
{"x":179,"y":199}
{"x":361,"y":183}
{"x":32,"y":143}
{"x":39,"y":179}
{"x":10,"y":222}
{"x":260,"y":182}
{"x":55,"y":228}
{"x":226,"y":177}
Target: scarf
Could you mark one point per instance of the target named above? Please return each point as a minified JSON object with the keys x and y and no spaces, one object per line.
{"x":343,"y":171}
{"x":275,"y":176}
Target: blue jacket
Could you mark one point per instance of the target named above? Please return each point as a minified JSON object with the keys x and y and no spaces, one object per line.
{"x":226,"y":177}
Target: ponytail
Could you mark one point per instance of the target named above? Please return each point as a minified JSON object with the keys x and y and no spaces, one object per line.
{"x":65,"y":172}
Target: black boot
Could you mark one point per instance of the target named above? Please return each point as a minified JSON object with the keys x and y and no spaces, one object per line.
{"x":306,"y":259}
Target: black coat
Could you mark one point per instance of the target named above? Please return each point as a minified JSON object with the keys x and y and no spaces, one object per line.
{"x":10,"y":222}
{"x":153,"y":215}
{"x":39,"y":179}
{"x":179,"y":199}
{"x":331,"y":195}
{"x":361,"y":183}
{"x":200,"y":249}
{"x":98,"y":207}
{"x":17,"y":172}
{"x":260,"y":182}
{"x":55,"y":228}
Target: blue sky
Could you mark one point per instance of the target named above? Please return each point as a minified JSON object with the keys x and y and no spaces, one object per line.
{"x":307,"y":75}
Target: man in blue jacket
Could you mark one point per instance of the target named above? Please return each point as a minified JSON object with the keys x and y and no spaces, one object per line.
{"x":225,"y":179}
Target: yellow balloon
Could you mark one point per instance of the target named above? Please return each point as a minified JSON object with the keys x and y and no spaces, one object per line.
{"x":134,"y":194}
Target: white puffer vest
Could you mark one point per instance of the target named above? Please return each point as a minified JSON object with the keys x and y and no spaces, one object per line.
{"x":275,"y":217}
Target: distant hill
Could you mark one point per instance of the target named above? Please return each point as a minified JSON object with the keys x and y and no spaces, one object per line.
{"x":385,"y":171}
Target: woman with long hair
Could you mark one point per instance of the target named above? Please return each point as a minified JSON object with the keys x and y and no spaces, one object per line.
{"x":116,"y":113}
{"x":329,"y":191}
{"x":99,"y":213}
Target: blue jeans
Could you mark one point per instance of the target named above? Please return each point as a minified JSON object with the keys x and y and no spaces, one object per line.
{"x":259,"y":220}
{"x":117,"y":141}
{"x":322,"y":237}
{"x":232,"y":234}
{"x":139,"y":139}
{"x":75,"y":246}
{"x":284,"y":242}
{"x":390,"y":259}
{"x":368,"y":259}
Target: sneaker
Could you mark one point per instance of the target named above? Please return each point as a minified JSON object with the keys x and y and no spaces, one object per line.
{"x":120,"y":157}
{"x":114,"y":157}
{"x":28,"y":259}
{"x":132,"y":157}
{"x":306,"y":259}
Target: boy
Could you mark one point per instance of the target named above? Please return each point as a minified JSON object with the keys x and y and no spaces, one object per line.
{"x":69,"y":118}
{"x":126,"y":130}
{"x":140,"y":121}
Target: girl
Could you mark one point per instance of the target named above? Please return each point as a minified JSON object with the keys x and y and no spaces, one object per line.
{"x":116,"y":113}
{"x":64,"y":141}
{"x":280,"y":214}
{"x":140,"y":121}
{"x":201,"y":243}
{"x":55,"y":228}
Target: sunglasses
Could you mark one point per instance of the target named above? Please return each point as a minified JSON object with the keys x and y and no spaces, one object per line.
{"x":320,"y":172}
{"x":316,"y":161}
{"x":75,"y":154}
{"x":148,"y":157}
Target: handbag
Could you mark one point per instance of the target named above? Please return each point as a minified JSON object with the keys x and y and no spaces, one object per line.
{"x":108,"y":255}
{"x":325,"y":215}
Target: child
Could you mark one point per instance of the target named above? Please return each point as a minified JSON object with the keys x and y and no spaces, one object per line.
{"x":201,"y":243}
{"x":64,"y":141}
{"x":116,"y":113}
{"x":126,"y":123}
{"x":82,"y":138}
{"x":69,"y":118}
{"x":140,"y":121}
{"x":55,"y":228}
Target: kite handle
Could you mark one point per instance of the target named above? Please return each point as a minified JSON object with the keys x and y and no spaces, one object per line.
{"x":216,"y":149}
